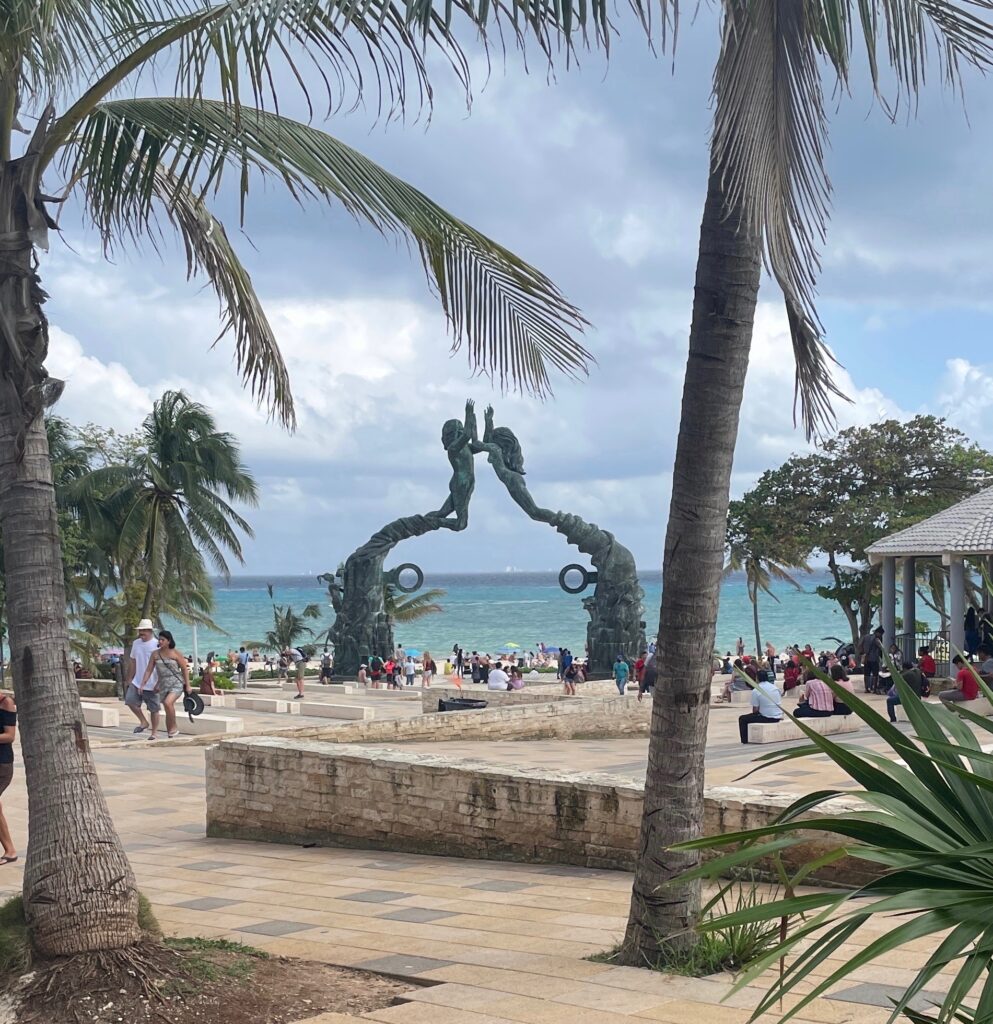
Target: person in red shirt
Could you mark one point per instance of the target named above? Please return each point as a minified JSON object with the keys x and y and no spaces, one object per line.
{"x":965,"y":682}
{"x":639,"y":668}
{"x":926,"y":663}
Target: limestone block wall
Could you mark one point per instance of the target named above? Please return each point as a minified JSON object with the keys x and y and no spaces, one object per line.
{"x":293,"y":791}
{"x":601,"y":717}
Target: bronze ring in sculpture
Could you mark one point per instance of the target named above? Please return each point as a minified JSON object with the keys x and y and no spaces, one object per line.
{"x":393,"y":577}
{"x":588,"y":578}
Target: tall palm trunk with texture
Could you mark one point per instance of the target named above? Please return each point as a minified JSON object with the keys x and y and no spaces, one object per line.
{"x":725,"y":294}
{"x":754,"y":595}
{"x":79,"y":890}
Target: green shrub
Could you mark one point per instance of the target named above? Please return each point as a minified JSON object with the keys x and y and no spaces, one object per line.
{"x":927,"y":828}
{"x":105,"y":671}
{"x":146,"y":918}
{"x":223,"y":683}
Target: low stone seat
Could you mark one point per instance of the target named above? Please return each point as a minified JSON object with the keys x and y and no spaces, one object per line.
{"x":269,"y":705}
{"x":215,"y":700}
{"x":786,"y":731}
{"x":205,"y":724}
{"x":349,"y":711}
{"x":744,"y":696}
{"x":101,"y":716}
{"x":979,"y":706}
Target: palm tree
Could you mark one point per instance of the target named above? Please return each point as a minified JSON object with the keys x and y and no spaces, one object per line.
{"x":762,"y":555}
{"x":410,"y":609}
{"x":170,"y":504}
{"x":135,"y":163}
{"x":767,"y":199}
{"x":288,"y":626}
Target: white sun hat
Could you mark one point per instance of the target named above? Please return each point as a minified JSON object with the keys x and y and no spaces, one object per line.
{"x":145,"y":624}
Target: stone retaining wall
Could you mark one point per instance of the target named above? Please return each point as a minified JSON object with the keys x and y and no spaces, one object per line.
{"x":597,"y":717}
{"x":533,"y":693}
{"x":296,"y":791}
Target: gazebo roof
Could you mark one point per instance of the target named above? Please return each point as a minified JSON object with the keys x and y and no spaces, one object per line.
{"x":963,"y":529}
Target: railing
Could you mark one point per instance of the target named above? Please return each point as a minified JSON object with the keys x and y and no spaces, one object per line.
{"x":936,"y":640}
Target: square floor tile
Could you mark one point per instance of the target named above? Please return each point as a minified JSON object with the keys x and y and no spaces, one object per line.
{"x":499,"y":885}
{"x":418,"y":915}
{"x":275,"y":928}
{"x":208,"y":903}
{"x":883,"y":995}
{"x":376,"y":896}
{"x":403,"y":965}
{"x":206,"y":865}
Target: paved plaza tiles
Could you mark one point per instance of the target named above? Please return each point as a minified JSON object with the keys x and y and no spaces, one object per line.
{"x":487,"y":942}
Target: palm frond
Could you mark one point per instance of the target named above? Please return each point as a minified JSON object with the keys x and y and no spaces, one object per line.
{"x":511,"y":318}
{"x":209,"y":251}
{"x":769,"y":141}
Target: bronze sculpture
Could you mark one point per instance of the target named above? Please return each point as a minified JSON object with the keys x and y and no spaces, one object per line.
{"x":362,"y":627}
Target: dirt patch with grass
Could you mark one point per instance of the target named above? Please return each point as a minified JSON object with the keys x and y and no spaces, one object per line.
{"x":201,"y":981}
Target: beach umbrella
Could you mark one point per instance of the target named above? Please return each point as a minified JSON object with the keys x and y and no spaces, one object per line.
{"x":413,"y":652}
{"x":511,"y":647}
{"x":112,"y":650}
{"x":552,"y":649}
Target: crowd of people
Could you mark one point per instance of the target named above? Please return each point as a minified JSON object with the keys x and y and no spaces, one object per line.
{"x":802,"y":672}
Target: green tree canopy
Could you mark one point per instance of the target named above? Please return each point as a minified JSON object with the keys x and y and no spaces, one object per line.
{"x":859,"y":486}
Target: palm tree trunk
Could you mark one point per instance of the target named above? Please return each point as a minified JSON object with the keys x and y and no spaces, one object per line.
{"x":79,"y":890}
{"x":726,"y":291}
{"x":755,"y":621}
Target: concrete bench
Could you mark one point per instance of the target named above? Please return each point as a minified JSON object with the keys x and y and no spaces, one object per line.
{"x":270,"y":705}
{"x":350,"y":711}
{"x":205,"y":724}
{"x":785,"y":731}
{"x":265,"y":684}
{"x":979,"y":706}
{"x":215,"y":700}
{"x":101,"y":716}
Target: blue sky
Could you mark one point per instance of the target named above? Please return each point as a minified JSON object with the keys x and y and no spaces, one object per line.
{"x":597,"y":177}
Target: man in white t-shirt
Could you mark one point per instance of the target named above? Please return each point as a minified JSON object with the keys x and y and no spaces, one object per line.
{"x":134,"y":693}
{"x":498,"y":679}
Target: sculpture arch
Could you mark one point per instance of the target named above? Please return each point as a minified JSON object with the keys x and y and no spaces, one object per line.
{"x":362,"y":627}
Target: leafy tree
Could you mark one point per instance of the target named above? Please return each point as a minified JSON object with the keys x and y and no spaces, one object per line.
{"x":861,"y":485}
{"x":759,"y":548}
{"x":136,"y":163}
{"x":413,"y":607}
{"x":169,"y":505}
{"x":767,"y":203}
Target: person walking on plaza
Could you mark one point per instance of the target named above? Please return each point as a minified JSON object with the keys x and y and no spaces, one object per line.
{"x":871,"y":649}
{"x":766,"y":707}
{"x":172,"y":679}
{"x":621,"y":672}
{"x":8,"y":733}
{"x":409,"y":670}
{"x":770,"y":656}
{"x":135,"y":692}
{"x":242,"y":669}
{"x":428,"y":669}
{"x":648,"y":676}
{"x":740,"y":647}
{"x":299,"y":660}
{"x":327,"y":668}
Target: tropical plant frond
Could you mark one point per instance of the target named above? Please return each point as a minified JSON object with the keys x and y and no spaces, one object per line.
{"x":209,"y":251}
{"x":512,"y":320}
{"x":412,"y":608}
{"x":770,"y":133}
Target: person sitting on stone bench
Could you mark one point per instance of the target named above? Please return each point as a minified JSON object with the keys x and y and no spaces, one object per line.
{"x":986,"y":663}
{"x":966,"y":687}
{"x":914,"y":678}
{"x":840,"y":676}
{"x":818,"y":698}
{"x":736,"y":682}
{"x":766,"y":706}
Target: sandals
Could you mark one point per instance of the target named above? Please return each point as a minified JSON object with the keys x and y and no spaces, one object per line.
{"x":138,"y":730}
{"x":8,"y":860}
{"x":172,"y":735}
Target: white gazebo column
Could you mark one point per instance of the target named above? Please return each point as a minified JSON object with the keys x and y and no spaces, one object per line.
{"x":956,"y":603}
{"x":888,"y":620}
{"x":909,"y":608}
{"x":987,"y":592}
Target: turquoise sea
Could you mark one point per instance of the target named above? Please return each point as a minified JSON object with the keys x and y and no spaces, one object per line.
{"x":484,"y":611}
